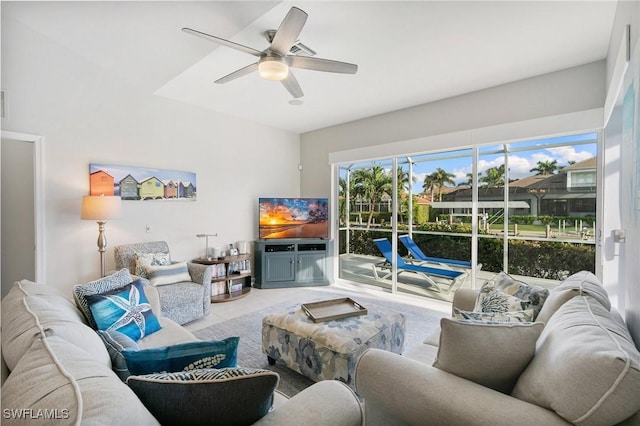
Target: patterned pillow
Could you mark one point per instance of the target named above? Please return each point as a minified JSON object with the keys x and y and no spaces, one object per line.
{"x":232,"y":396}
{"x":126,"y":310}
{"x":167,"y":274}
{"x":502,"y":293}
{"x":184,"y":356}
{"x":150,"y":259}
{"x":493,"y":355}
{"x":108,"y":283}
{"x":116,"y":342}
{"x":494,"y":317}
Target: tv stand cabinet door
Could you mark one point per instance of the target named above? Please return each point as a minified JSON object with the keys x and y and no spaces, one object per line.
{"x":279,"y":267}
{"x":311,"y":267}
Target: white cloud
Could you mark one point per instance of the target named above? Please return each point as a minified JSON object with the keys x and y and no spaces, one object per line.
{"x":565,"y":154}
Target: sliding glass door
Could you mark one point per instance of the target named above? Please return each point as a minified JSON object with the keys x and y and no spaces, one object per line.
{"x":525,"y":207}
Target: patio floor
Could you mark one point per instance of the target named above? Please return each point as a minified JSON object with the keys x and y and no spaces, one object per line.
{"x":359,"y":268}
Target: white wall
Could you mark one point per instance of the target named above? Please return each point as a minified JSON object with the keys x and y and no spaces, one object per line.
{"x":87,"y":115}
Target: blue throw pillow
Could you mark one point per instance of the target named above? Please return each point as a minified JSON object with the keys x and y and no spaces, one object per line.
{"x":126,"y":310}
{"x":183,"y":356}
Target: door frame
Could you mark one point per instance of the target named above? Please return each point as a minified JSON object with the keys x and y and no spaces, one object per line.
{"x":38,"y":202}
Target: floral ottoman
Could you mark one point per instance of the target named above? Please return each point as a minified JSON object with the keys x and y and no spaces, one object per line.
{"x":329,"y":350}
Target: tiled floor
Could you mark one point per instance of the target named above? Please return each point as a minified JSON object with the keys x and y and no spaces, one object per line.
{"x":259,"y":299}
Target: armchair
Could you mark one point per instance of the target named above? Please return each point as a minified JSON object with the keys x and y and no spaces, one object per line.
{"x":183,"y":301}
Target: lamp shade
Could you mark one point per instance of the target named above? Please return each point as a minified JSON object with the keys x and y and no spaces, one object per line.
{"x":100,"y":207}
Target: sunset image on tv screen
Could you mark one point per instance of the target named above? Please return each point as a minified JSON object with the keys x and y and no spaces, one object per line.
{"x":294,"y":217}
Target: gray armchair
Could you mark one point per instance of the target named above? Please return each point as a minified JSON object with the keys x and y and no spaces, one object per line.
{"x":182,"y":302}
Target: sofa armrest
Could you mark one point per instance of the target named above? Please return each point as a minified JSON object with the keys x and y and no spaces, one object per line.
{"x":465,"y":299}
{"x":401,"y":391}
{"x":329,"y":402}
{"x":200,"y":274}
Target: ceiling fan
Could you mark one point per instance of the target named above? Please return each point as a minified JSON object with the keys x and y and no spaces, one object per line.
{"x":275,"y":61}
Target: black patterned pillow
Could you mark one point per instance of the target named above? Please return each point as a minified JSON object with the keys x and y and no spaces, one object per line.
{"x":103,"y":285}
{"x":503,"y":293}
{"x":238,"y":396}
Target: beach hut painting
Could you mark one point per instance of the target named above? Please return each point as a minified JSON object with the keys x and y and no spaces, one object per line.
{"x":140,"y":183}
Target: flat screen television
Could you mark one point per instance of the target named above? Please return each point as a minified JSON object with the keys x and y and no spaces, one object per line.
{"x":293,"y":218}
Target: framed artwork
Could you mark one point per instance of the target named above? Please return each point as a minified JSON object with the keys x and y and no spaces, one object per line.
{"x":141,"y":183}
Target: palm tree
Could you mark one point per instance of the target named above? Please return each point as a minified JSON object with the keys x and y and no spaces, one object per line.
{"x":439,"y":178}
{"x":371,"y":184}
{"x":342,"y":198}
{"x":493,"y":178}
{"x":468,"y":182}
{"x":403,"y":186}
{"x":428,"y":184}
{"x":545,"y":168}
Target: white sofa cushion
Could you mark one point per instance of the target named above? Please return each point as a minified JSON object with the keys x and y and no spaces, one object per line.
{"x":586,"y":367}
{"x":30,"y":311}
{"x":580,"y":283}
{"x":61,"y":380}
{"x":492,"y":354}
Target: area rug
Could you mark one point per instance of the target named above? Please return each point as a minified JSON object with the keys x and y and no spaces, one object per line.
{"x":421,"y":323}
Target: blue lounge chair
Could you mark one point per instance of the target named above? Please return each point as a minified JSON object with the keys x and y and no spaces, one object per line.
{"x":418,"y":255}
{"x":427,"y":272}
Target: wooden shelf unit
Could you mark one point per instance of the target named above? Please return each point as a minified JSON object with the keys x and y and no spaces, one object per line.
{"x":229,"y":278}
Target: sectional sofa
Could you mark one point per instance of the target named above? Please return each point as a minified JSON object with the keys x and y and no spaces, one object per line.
{"x":577,"y":364}
{"x":57,"y":370}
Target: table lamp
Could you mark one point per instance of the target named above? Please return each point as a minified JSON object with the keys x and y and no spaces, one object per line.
{"x":206,"y":237}
{"x":101,"y":208}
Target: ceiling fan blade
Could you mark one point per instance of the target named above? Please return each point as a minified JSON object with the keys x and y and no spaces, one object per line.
{"x":288,"y":31}
{"x":291,"y":84}
{"x":319,"y":64}
{"x":223,"y":42}
{"x":238,"y":73}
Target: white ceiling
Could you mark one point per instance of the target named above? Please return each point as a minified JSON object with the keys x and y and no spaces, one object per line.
{"x":408,"y":53}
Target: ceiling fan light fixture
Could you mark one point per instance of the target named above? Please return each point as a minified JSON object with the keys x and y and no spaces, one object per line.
{"x":273,"y":69}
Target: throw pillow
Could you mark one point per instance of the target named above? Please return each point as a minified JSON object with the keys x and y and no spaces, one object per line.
{"x":167,"y":274}
{"x":494,"y":317}
{"x":184,"y":356}
{"x":116,"y":342}
{"x":493,"y":355}
{"x":126,"y":310}
{"x":150,"y":259}
{"x":232,"y":396}
{"x":108,"y":283}
{"x":503,"y":293}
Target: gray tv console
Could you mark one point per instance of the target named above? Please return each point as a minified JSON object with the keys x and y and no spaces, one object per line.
{"x":293,"y":263}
